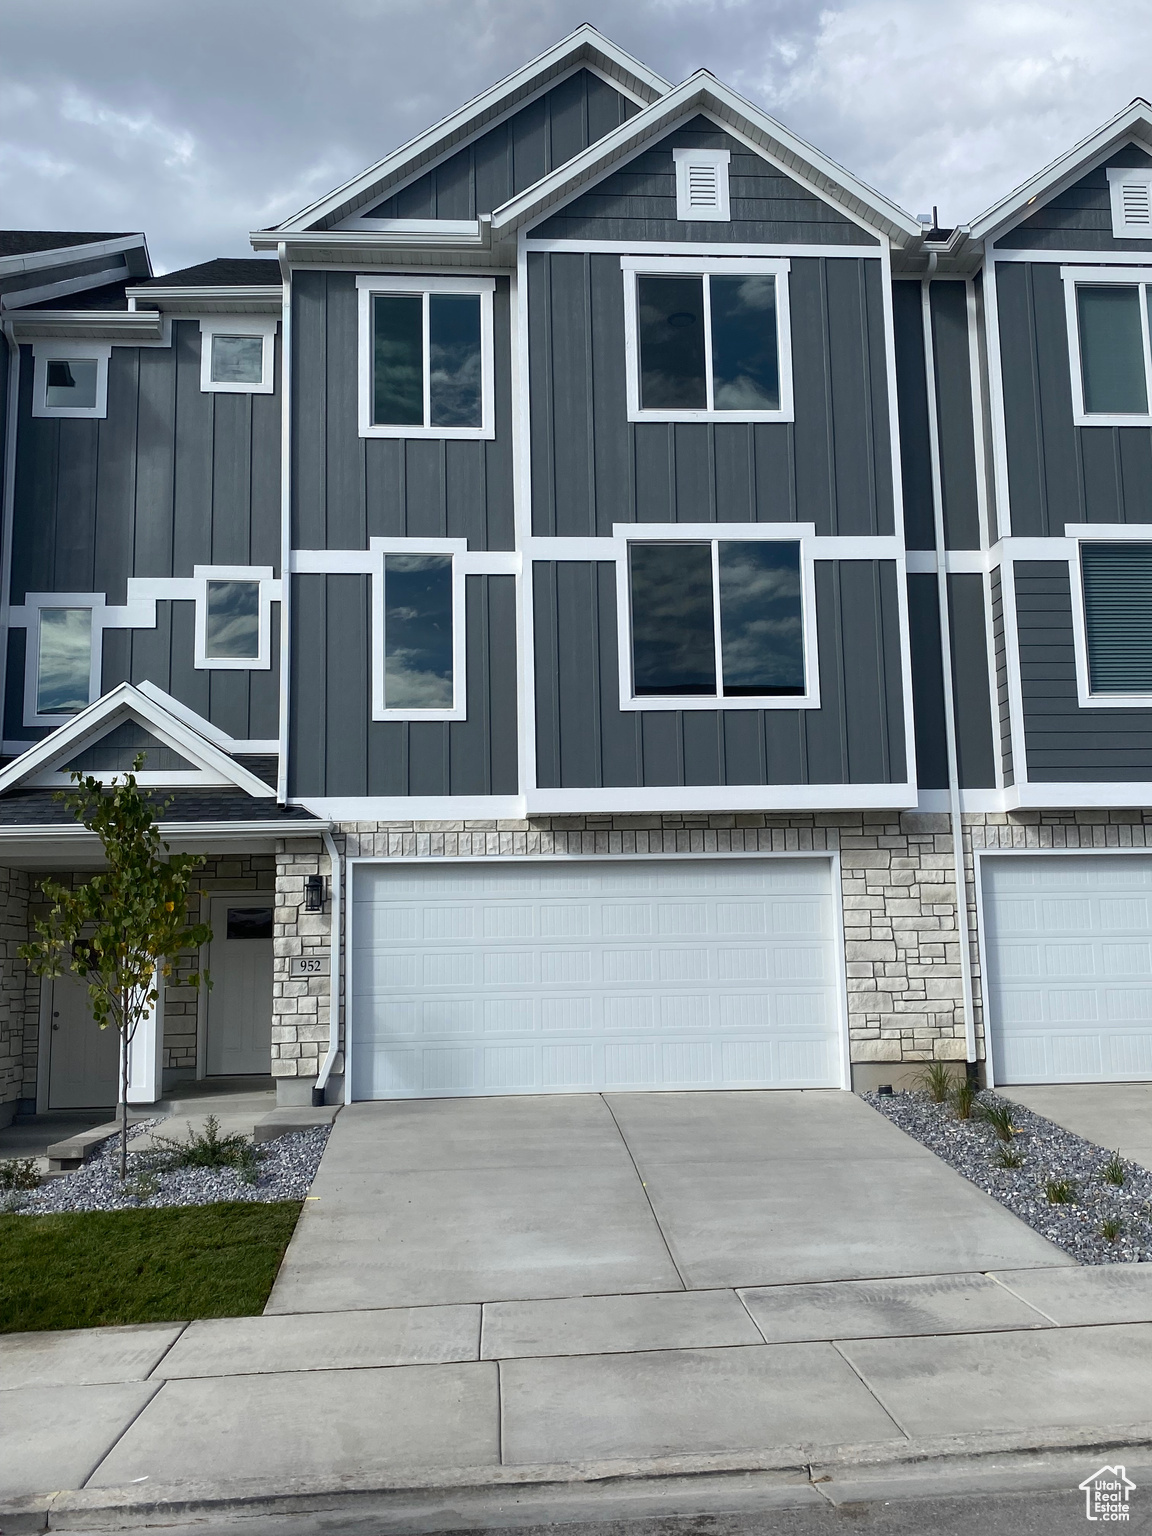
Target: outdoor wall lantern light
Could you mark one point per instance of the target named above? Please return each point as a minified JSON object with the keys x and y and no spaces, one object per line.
{"x":314,"y":893}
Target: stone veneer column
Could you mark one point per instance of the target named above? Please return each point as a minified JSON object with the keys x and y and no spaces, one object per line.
{"x":14,"y":887}
{"x":300,"y":1006}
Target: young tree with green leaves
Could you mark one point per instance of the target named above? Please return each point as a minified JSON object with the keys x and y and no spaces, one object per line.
{"x":124,"y":929}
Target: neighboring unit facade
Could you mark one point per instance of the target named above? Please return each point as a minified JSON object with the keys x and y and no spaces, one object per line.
{"x":532,"y":577}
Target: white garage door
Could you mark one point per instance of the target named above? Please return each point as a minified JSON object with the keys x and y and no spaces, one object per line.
{"x":545,"y":977}
{"x":1069,"y":952}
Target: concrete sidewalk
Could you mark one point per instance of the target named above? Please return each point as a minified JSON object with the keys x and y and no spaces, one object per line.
{"x":1113,"y":1115}
{"x":513,"y":1393}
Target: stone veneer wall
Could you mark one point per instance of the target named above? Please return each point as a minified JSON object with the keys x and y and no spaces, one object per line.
{"x":13,"y":987}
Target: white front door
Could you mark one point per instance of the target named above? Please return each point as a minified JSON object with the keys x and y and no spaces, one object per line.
{"x":240,"y":998}
{"x":83,"y":1060}
{"x":1068,"y":943}
{"x":574,"y":975}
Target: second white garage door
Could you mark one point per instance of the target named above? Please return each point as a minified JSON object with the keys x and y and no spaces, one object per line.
{"x":1068,"y":942}
{"x":541,"y":977}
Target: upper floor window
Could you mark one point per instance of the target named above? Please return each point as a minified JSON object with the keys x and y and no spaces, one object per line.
{"x":1108,"y":331}
{"x":702,"y":184}
{"x":707,"y":339}
{"x":1130,"y":193}
{"x":63,"y":661}
{"x":418,"y":665}
{"x":1117,"y":586}
{"x":233,"y":623}
{"x":716,"y":620}
{"x":70,"y":378}
{"x":238,"y":355}
{"x":426,"y":357}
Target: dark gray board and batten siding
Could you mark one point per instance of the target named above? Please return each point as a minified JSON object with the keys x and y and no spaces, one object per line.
{"x":1057,"y":472}
{"x":517,"y":152}
{"x":637,"y":201}
{"x":591,"y":467}
{"x":346,"y":488}
{"x":1063,"y":742}
{"x":585,"y":740}
{"x":171,"y":478}
{"x":1080,"y":217}
{"x":336,"y":747}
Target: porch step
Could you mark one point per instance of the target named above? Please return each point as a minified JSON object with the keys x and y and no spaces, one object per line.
{"x":293,"y":1117}
{"x":74,"y":1151}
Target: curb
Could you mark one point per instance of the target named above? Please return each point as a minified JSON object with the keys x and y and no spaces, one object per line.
{"x":784,"y":1476}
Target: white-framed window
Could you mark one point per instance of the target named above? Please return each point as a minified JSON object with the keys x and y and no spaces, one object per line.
{"x":716,"y":616}
{"x":1110,"y":357}
{"x":1111,"y":583}
{"x":702,"y":184}
{"x":426,"y":357}
{"x":1130,"y":193}
{"x":707,"y":338}
{"x":62,"y":654}
{"x":238,"y":354}
{"x":233,"y":626}
{"x":418,"y":635}
{"x":70,"y":378}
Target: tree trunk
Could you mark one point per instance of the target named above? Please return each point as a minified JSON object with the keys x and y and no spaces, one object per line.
{"x":124,"y":1042}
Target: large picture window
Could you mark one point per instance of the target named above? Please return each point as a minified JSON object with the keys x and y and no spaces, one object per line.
{"x":707,"y":339}
{"x":1110,"y":357}
{"x":717,"y":619}
{"x":426,"y":357}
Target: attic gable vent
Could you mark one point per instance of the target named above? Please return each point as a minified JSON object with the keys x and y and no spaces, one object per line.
{"x":702,"y":184}
{"x":1131,"y":193}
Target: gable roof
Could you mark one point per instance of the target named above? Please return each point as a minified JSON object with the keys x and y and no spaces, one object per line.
{"x":127,"y":703}
{"x":1133,"y":122}
{"x":584,"y":46}
{"x":703,"y":92}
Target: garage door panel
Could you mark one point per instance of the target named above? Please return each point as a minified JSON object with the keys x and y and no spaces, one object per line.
{"x":693,"y":974}
{"x":1053,"y":1004}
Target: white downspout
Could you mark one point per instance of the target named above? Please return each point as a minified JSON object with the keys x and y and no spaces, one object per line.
{"x":946,"y":667}
{"x":285,"y":519}
{"x":12,"y":427}
{"x":335,"y":966}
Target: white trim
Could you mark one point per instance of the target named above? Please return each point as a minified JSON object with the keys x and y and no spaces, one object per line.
{"x":12,"y":422}
{"x":1103,"y":259}
{"x":996,"y":399}
{"x":254,"y":746}
{"x":371,"y":286}
{"x":346,"y":808}
{"x":485,"y":110}
{"x":95,"y":721}
{"x":835,"y":546}
{"x":647,"y":248}
{"x":65,"y":255}
{"x":897,"y":539}
{"x":835,"y":890}
{"x":777,"y":267}
{"x":1119,"y":177}
{"x":713,"y":534}
{"x":522,"y":522}
{"x":715,"y":161}
{"x":220,"y":325}
{"x":270,"y":590}
{"x":721,"y":797}
{"x":287,"y":366}
{"x":44,"y":352}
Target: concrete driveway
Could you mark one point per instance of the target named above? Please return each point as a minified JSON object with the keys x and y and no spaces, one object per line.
{"x":1111,"y":1114}
{"x":504,"y":1199}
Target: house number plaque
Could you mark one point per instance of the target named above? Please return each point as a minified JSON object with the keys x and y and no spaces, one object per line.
{"x":315,"y":963}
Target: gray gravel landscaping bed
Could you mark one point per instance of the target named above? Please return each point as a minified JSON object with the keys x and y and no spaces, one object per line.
{"x":1049,"y":1153}
{"x":284,"y":1170}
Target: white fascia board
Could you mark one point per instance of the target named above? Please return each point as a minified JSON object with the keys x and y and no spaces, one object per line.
{"x":345,"y":808}
{"x":21,"y":298}
{"x":65,"y":255}
{"x":781,"y":798}
{"x":240,"y":298}
{"x":1133,"y":122}
{"x":702,"y":91}
{"x":230,"y":744}
{"x":124,"y":698}
{"x":586,"y":43}
{"x":125,"y":326}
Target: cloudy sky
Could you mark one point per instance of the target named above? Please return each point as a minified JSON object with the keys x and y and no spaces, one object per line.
{"x":198,"y":120}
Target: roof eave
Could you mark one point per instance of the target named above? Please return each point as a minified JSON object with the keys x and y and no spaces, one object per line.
{"x":234,"y":298}
{"x":123,"y":325}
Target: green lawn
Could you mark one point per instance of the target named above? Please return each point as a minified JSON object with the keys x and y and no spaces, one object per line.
{"x":89,"y":1269}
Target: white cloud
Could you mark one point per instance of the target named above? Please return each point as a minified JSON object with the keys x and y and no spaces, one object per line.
{"x":202,"y":119}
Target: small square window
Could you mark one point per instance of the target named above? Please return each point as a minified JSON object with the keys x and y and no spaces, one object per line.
{"x":720,"y":619}
{"x":63,"y":661}
{"x":71,"y":383}
{"x":70,"y":378}
{"x":426,"y":358}
{"x":232,"y":620}
{"x":237,"y":356}
{"x":237,"y":359}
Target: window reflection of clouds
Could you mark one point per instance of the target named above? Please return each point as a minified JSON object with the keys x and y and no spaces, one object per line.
{"x":745,"y":365}
{"x":398,"y":360}
{"x":671,"y":321}
{"x":761,"y":628}
{"x":454,"y":378}
{"x":673,"y":633}
{"x":64,"y":661}
{"x":232,"y":620}
{"x":418,"y":632}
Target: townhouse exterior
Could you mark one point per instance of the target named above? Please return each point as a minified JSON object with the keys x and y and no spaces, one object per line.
{"x":616,"y":602}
